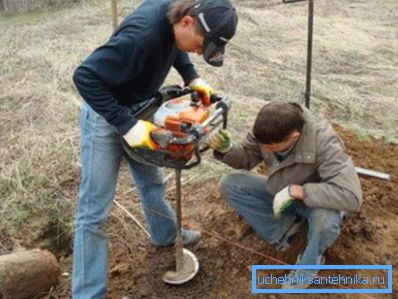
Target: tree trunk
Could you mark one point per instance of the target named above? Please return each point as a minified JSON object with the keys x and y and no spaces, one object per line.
{"x":27,"y":274}
{"x":114,"y":14}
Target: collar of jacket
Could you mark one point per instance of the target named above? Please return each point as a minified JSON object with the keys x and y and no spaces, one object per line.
{"x":304,"y":152}
{"x":166,"y":26}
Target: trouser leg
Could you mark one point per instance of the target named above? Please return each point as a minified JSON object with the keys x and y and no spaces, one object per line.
{"x":160,"y":217}
{"x":323,"y":230}
{"x":100,"y":157}
{"x":247,"y":193}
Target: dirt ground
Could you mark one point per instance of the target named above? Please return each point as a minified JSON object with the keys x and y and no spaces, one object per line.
{"x":229,"y":247}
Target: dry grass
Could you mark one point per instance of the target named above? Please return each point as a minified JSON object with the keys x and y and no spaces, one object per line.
{"x":12,"y":6}
{"x":354,"y":83}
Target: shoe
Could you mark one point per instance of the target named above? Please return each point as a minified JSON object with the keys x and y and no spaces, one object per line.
{"x":287,"y":239}
{"x":300,"y":278}
{"x":190,"y":236}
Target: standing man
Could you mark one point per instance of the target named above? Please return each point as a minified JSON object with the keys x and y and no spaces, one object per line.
{"x":309,"y":177}
{"x":128,"y":69}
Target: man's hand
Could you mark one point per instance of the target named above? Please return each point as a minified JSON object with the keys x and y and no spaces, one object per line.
{"x":140,"y":135}
{"x":282,"y":200}
{"x":221,"y":141}
{"x":204,"y":89}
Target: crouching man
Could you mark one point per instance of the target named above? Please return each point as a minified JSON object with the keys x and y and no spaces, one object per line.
{"x":310,"y":177}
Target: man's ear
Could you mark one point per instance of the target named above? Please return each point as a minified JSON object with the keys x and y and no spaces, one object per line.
{"x":296,"y":135}
{"x":187,"y":21}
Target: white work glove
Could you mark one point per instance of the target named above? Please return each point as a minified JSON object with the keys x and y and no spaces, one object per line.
{"x":221,"y":141}
{"x":204,"y":89}
{"x":140,"y":135}
{"x":282,"y":200}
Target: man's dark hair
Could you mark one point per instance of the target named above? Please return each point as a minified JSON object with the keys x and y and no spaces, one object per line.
{"x":276,"y":120}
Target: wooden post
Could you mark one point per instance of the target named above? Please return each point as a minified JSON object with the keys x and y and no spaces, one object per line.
{"x":114,"y":14}
{"x":27,"y":274}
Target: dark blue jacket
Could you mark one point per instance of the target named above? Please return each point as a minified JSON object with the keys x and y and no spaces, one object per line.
{"x":132,"y":65}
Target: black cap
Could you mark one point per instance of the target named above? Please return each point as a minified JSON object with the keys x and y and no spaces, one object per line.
{"x":218,"y":19}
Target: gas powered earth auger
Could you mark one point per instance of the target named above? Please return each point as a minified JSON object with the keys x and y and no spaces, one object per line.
{"x":184,"y":126}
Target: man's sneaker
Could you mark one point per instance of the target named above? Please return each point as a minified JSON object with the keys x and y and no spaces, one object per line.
{"x":301,"y":278}
{"x":287,"y":239}
{"x":190,"y":236}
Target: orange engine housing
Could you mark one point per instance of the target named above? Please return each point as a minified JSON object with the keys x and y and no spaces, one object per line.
{"x":185,"y":119}
{"x":189,"y":117}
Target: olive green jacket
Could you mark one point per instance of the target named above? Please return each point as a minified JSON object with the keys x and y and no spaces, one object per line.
{"x":318,"y":162}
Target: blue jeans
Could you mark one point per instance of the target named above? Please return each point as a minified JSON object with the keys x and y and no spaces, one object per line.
{"x":101,"y":153}
{"x":247,"y":193}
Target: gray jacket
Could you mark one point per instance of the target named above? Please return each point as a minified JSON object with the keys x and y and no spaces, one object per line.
{"x":318,"y":162}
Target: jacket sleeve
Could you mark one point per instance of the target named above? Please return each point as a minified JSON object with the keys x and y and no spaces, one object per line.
{"x":184,"y":67}
{"x":339,"y":188}
{"x":243,"y":155}
{"x":114,"y":63}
